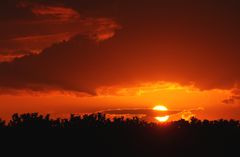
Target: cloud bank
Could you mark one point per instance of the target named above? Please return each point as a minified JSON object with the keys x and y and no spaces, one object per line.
{"x":170,"y":41}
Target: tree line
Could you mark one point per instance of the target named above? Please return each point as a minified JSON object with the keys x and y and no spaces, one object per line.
{"x":98,"y":135}
{"x":99,"y":120}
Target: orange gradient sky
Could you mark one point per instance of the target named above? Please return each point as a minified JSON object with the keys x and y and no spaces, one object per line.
{"x":172,"y":95}
{"x":70,"y":56}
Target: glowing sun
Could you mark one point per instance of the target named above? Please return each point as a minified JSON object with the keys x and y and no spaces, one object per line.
{"x":162,"y":119}
{"x":161,"y":108}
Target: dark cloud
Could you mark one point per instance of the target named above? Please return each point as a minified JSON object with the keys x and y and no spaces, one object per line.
{"x":234,"y":98}
{"x":16,"y":52}
{"x":6,"y":56}
{"x":10,"y":10}
{"x":65,"y":66}
{"x":179,"y":41}
{"x":43,"y":24}
{"x":144,"y":111}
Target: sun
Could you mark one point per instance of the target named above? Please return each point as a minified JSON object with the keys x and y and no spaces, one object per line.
{"x":160,"y":108}
{"x":162,"y":119}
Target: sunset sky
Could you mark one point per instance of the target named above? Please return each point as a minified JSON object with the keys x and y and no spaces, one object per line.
{"x":83,"y":56}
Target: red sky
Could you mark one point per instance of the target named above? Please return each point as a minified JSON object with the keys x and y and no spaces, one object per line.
{"x":65,"y":56}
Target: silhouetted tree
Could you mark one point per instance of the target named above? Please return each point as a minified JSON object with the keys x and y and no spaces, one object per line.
{"x":98,"y":120}
{"x":33,"y":120}
{"x":133,"y":136}
{"x":2,"y":123}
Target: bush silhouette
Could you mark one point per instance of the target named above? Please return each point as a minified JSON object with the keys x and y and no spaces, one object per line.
{"x":33,"y":120}
{"x":121,"y":136}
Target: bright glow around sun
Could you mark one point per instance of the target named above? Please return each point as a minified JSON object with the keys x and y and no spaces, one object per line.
{"x":162,"y":119}
{"x":160,"y":108}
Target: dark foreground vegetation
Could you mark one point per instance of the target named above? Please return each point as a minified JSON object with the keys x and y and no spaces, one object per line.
{"x":96,"y":135}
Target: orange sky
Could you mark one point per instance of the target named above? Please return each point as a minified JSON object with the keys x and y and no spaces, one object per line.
{"x":71,"y":56}
{"x":172,"y":95}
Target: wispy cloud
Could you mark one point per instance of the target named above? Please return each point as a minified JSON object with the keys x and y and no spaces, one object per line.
{"x":150,"y":113}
